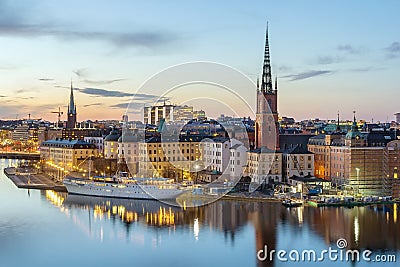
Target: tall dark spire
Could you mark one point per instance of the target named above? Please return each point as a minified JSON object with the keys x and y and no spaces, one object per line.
{"x":354,"y":127}
{"x":266,"y":82}
{"x":71,"y":119}
{"x":71,"y":106}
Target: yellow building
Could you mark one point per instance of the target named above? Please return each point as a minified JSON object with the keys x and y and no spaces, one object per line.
{"x":61,"y":156}
{"x":170,"y":159}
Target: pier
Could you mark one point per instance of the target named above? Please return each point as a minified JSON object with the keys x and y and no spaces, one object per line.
{"x":33,"y":180}
{"x":19,"y":155}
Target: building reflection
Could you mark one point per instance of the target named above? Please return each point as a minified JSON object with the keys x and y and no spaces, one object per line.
{"x":371,"y":227}
{"x":374,"y":227}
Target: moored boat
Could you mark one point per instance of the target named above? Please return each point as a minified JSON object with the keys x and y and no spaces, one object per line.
{"x":121,"y":187}
{"x":291,"y":203}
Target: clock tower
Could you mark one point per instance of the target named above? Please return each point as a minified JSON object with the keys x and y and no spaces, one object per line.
{"x":267,"y":126}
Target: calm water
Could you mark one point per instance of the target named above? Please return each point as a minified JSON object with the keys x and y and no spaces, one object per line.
{"x":43,"y":228}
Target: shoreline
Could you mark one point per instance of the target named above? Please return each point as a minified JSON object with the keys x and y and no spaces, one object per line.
{"x":45,"y":182}
{"x":33,"y":181}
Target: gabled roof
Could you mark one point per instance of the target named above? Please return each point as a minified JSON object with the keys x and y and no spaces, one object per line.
{"x":297,"y":150}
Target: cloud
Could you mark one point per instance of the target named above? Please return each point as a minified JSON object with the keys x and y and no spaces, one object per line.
{"x":18,"y":21}
{"x":393,"y":50}
{"x":82,"y":73}
{"x":134,"y":107}
{"x":366,"y":69}
{"x":46,"y":79}
{"x":21,"y":91}
{"x":98,"y":92}
{"x":326,"y":60}
{"x":307,"y":74}
{"x":93,"y":104}
{"x":101,"y":82}
{"x":103,"y":92}
{"x":351,"y":49}
{"x":151,"y":39}
{"x":120,"y":105}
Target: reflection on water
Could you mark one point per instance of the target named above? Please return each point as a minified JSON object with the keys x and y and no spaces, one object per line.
{"x":373,"y":227}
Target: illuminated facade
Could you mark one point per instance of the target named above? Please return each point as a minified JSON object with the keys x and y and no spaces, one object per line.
{"x":170,"y":159}
{"x":65,"y":155}
{"x":111,"y":145}
{"x":350,"y":160}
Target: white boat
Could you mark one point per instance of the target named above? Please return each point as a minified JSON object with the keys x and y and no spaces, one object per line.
{"x":139,"y":188}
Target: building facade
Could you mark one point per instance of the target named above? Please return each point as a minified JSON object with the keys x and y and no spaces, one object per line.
{"x":180,"y":160}
{"x":111,"y":144}
{"x":61,"y":156}
{"x":264,"y":166}
{"x":297,"y":163}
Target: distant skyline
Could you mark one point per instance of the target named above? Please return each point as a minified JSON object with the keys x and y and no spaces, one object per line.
{"x":328,"y":56}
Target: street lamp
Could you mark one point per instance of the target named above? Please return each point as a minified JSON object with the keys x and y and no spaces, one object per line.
{"x":358,"y":179}
{"x":197,"y":168}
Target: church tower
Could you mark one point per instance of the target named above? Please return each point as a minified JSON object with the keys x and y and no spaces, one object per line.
{"x":267,"y":126}
{"x":71,"y":120}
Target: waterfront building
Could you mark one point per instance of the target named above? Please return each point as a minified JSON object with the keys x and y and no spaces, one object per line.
{"x":237,"y":160}
{"x":128,"y":153}
{"x":267,"y":125}
{"x":60,"y":156}
{"x":391,"y":169}
{"x":264,"y":166}
{"x":356,"y":159}
{"x":178,"y":159}
{"x":217,"y":154}
{"x":297,"y":162}
{"x":71,"y":114}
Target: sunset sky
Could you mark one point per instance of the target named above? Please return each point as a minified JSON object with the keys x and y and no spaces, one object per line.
{"x":328,"y":56}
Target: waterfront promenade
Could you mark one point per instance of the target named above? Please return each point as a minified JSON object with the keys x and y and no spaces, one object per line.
{"x":33,"y":180}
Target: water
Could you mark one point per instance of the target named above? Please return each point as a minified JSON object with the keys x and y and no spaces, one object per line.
{"x":44,"y":228}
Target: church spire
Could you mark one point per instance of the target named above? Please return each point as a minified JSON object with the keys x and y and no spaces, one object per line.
{"x":71,"y":106}
{"x":266,"y":82}
{"x":354,"y":127}
{"x":338,"y":122}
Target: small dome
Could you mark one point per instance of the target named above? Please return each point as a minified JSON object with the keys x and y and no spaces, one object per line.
{"x":354,"y":135}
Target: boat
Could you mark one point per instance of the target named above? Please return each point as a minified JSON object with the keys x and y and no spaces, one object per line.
{"x":291,"y":203}
{"x":124,"y":187}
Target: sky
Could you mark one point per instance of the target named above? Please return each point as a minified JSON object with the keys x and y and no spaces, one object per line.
{"x":329,"y":56}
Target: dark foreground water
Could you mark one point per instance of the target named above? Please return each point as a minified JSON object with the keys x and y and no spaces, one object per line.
{"x":44,"y":228}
